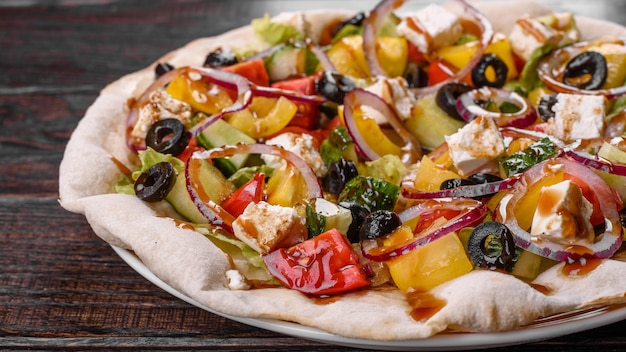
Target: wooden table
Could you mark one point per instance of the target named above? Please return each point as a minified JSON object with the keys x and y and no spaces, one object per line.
{"x":61,"y":287}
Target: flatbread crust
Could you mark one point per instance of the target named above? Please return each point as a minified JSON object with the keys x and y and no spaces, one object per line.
{"x":481,"y":301}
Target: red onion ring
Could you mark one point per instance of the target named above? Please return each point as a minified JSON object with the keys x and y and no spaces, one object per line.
{"x":411,"y":150}
{"x":468,"y":109}
{"x":313,"y":186}
{"x":610,"y":240}
{"x":469,"y":191}
{"x":595,"y":162}
{"x":370,"y":27}
{"x":550,"y":68}
{"x":471,"y":212}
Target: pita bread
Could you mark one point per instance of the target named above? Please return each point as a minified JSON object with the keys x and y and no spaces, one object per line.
{"x":481,"y":301}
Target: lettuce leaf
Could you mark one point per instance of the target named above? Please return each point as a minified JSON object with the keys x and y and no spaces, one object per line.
{"x":273,"y":32}
{"x":125,"y":183}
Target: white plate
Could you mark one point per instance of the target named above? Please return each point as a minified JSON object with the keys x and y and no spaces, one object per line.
{"x":542,"y":329}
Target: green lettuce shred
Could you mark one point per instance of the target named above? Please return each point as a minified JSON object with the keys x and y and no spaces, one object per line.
{"x":147,"y":158}
{"x":274,"y":32}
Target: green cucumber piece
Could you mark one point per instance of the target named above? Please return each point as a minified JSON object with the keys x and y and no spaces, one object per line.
{"x":215,"y":185}
{"x":290,"y":61}
{"x":322,"y":215}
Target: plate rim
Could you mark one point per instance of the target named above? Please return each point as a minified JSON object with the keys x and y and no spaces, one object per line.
{"x":584,"y":319}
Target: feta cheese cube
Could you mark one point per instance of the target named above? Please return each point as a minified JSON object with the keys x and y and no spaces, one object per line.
{"x":430,"y":28}
{"x":236,"y":281}
{"x":475,"y":145}
{"x":160,"y":106}
{"x":395,"y":92}
{"x":577,"y":117}
{"x":563,"y":215}
{"x":300,"y":144}
{"x":266,"y":227}
{"x":529,"y":34}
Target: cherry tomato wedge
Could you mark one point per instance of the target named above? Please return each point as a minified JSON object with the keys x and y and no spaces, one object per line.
{"x":323,"y":265}
{"x":251,"y":192}
{"x":308,"y":115}
{"x":597,"y":217}
{"x":253,"y":70}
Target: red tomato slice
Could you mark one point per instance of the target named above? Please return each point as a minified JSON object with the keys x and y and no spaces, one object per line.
{"x":415,"y":55}
{"x":323,"y":265}
{"x":253,"y":70}
{"x":307,"y":115}
{"x":190,"y":149}
{"x":427,"y":219}
{"x":439,"y":71}
{"x":251,"y":192}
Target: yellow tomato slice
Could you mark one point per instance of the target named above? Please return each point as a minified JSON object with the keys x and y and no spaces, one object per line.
{"x":201,"y":95}
{"x":264,"y":117}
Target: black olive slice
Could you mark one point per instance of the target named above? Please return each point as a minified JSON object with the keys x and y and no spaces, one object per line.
{"x":339,"y":173}
{"x":359,"y":213}
{"x":587,"y":70}
{"x":356,"y":20}
{"x":455,"y":182}
{"x":168,"y":136}
{"x":334,"y":86}
{"x":479,"y":72}
{"x":491,"y":245}
{"x":162,"y":68}
{"x":545,"y":106}
{"x":220,"y":58}
{"x":481,"y":178}
{"x":378,"y":223}
{"x":415,"y":76}
{"x":154,"y":184}
{"x":447,"y":95}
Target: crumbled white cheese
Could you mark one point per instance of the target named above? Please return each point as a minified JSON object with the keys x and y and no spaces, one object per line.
{"x":563,"y":215}
{"x":396,"y":93}
{"x":529,"y":34}
{"x":430,"y":28}
{"x":475,"y":145}
{"x":265,"y":227}
{"x":159,"y":106}
{"x":300,"y":144}
{"x":577,"y":117}
{"x":236,"y":281}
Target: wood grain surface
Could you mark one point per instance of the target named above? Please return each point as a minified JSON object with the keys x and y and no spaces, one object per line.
{"x":61,"y":287}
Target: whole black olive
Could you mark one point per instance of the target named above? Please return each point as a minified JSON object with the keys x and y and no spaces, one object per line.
{"x":448,"y":94}
{"x":220,"y":58}
{"x":479,"y":72}
{"x":481,"y":178}
{"x":168,"y":136}
{"x":359,"y":213}
{"x":455,"y":182}
{"x":334,"y":86}
{"x":545,"y":106}
{"x":154,"y":184}
{"x":356,"y":20}
{"x":339,"y":173}
{"x":491,"y":245}
{"x":588,"y":63}
{"x":162,"y":68}
{"x":379,"y":223}
{"x":415,"y":76}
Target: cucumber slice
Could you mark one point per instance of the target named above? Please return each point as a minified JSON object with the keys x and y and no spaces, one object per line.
{"x":215,"y":184}
{"x":290,"y":61}
{"x":222,"y":133}
{"x":322,"y":215}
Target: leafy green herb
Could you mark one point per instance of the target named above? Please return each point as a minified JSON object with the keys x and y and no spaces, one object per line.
{"x":520,"y":161}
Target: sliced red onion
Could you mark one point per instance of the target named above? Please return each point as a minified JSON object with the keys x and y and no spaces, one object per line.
{"x":487,"y":32}
{"x":214,"y":213}
{"x":595,"y":162}
{"x":550,"y":69}
{"x":228,"y":80}
{"x":469,"y":109}
{"x":321,"y":56}
{"x":470,"y":214}
{"x":515,"y":133}
{"x":294,"y":96}
{"x":313,"y":186}
{"x":133,"y":114}
{"x":469,"y":191}
{"x":370,"y":28}
{"x":411,"y":150}
{"x":608,"y":243}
